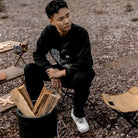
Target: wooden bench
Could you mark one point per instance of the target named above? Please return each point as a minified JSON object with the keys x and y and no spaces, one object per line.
{"x":12,"y":73}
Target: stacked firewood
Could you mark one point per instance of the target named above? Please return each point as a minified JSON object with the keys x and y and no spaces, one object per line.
{"x":44,"y":104}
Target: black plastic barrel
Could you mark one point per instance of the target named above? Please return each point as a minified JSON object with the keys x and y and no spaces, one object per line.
{"x":37,"y":127}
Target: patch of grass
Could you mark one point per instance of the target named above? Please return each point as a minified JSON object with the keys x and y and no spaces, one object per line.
{"x":129,"y":8}
{"x":134,"y":19}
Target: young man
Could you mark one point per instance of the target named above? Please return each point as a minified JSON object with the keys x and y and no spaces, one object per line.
{"x":69,"y":46}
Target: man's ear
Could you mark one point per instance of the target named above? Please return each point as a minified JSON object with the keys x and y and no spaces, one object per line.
{"x":51,"y":21}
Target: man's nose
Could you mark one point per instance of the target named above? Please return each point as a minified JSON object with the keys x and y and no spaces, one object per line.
{"x":66,"y":20}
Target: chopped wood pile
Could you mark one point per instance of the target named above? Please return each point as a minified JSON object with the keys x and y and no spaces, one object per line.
{"x":45,"y":103}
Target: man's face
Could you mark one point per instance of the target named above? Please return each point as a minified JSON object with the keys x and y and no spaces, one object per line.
{"x":62,"y":21}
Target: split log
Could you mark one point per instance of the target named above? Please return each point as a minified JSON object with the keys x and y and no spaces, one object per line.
{"x":41,"y":99}
{"x":41,"y":104}
{"x":49,"y":105}
{"x":21,"y":103}
{"x":26,"y":96}
{"x":55,"y":100}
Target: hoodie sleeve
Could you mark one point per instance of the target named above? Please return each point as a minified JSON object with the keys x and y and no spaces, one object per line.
{"x":39,"y":54}
{"x":83,"y":51}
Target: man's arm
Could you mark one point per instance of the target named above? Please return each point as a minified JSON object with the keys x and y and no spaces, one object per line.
{"x":83,"y":51}
{"x":55,"y":73}
{"x":39,"y":54}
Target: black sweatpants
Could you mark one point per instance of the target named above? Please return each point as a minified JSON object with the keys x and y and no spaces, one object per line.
{"x":80,"y":82}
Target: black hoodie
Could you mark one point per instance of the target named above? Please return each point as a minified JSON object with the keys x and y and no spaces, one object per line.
{"x":72,"y":52}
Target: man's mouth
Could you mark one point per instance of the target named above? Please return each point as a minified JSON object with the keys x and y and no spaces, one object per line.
{"x":67,"y":26}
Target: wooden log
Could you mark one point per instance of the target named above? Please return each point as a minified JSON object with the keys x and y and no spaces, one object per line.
{"x":26,"y":96}
{"x":21,"y":103}
{"x":40,"y":104}
{"x":54,"y":103}
{"x":42,"y":97}
{"x":49,"y":105}
{"x":44,"y":89}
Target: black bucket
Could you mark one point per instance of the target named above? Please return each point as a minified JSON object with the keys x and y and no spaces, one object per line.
{"x":37,"y":127}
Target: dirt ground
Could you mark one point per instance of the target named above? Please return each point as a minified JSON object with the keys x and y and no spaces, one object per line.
{"x":113,"y":29}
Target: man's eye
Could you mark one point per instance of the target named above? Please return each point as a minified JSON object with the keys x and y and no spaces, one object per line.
{"x":60,"y":19}
{"x":67,"y":15}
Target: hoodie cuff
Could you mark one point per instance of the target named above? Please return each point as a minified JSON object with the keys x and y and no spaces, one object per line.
{"x":68,"y":72}
{"x":46,"y":67}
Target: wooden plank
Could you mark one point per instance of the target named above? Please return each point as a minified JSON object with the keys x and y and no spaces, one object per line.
{"x":8,"y":46}
{"x":26,"y":96}
{"x":50,"y":103}
{"x":21,"y":103}
{"x":43,"y":96}
{"x":10,"y":104}
{"x":12,"y":73}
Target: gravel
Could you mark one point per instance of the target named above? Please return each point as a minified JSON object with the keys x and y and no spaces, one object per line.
{"x":113,"y":33}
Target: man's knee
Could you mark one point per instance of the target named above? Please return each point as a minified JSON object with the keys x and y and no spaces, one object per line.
{"x":31,"y":70}
{"x":82,"y":79}
{"x":30,"y":67}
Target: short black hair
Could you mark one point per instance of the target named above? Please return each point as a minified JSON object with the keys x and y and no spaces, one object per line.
{"x":54,"y":6}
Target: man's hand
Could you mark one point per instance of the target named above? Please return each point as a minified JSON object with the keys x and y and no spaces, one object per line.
{"x":55,"y":73}
{"x":56,"y":84}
